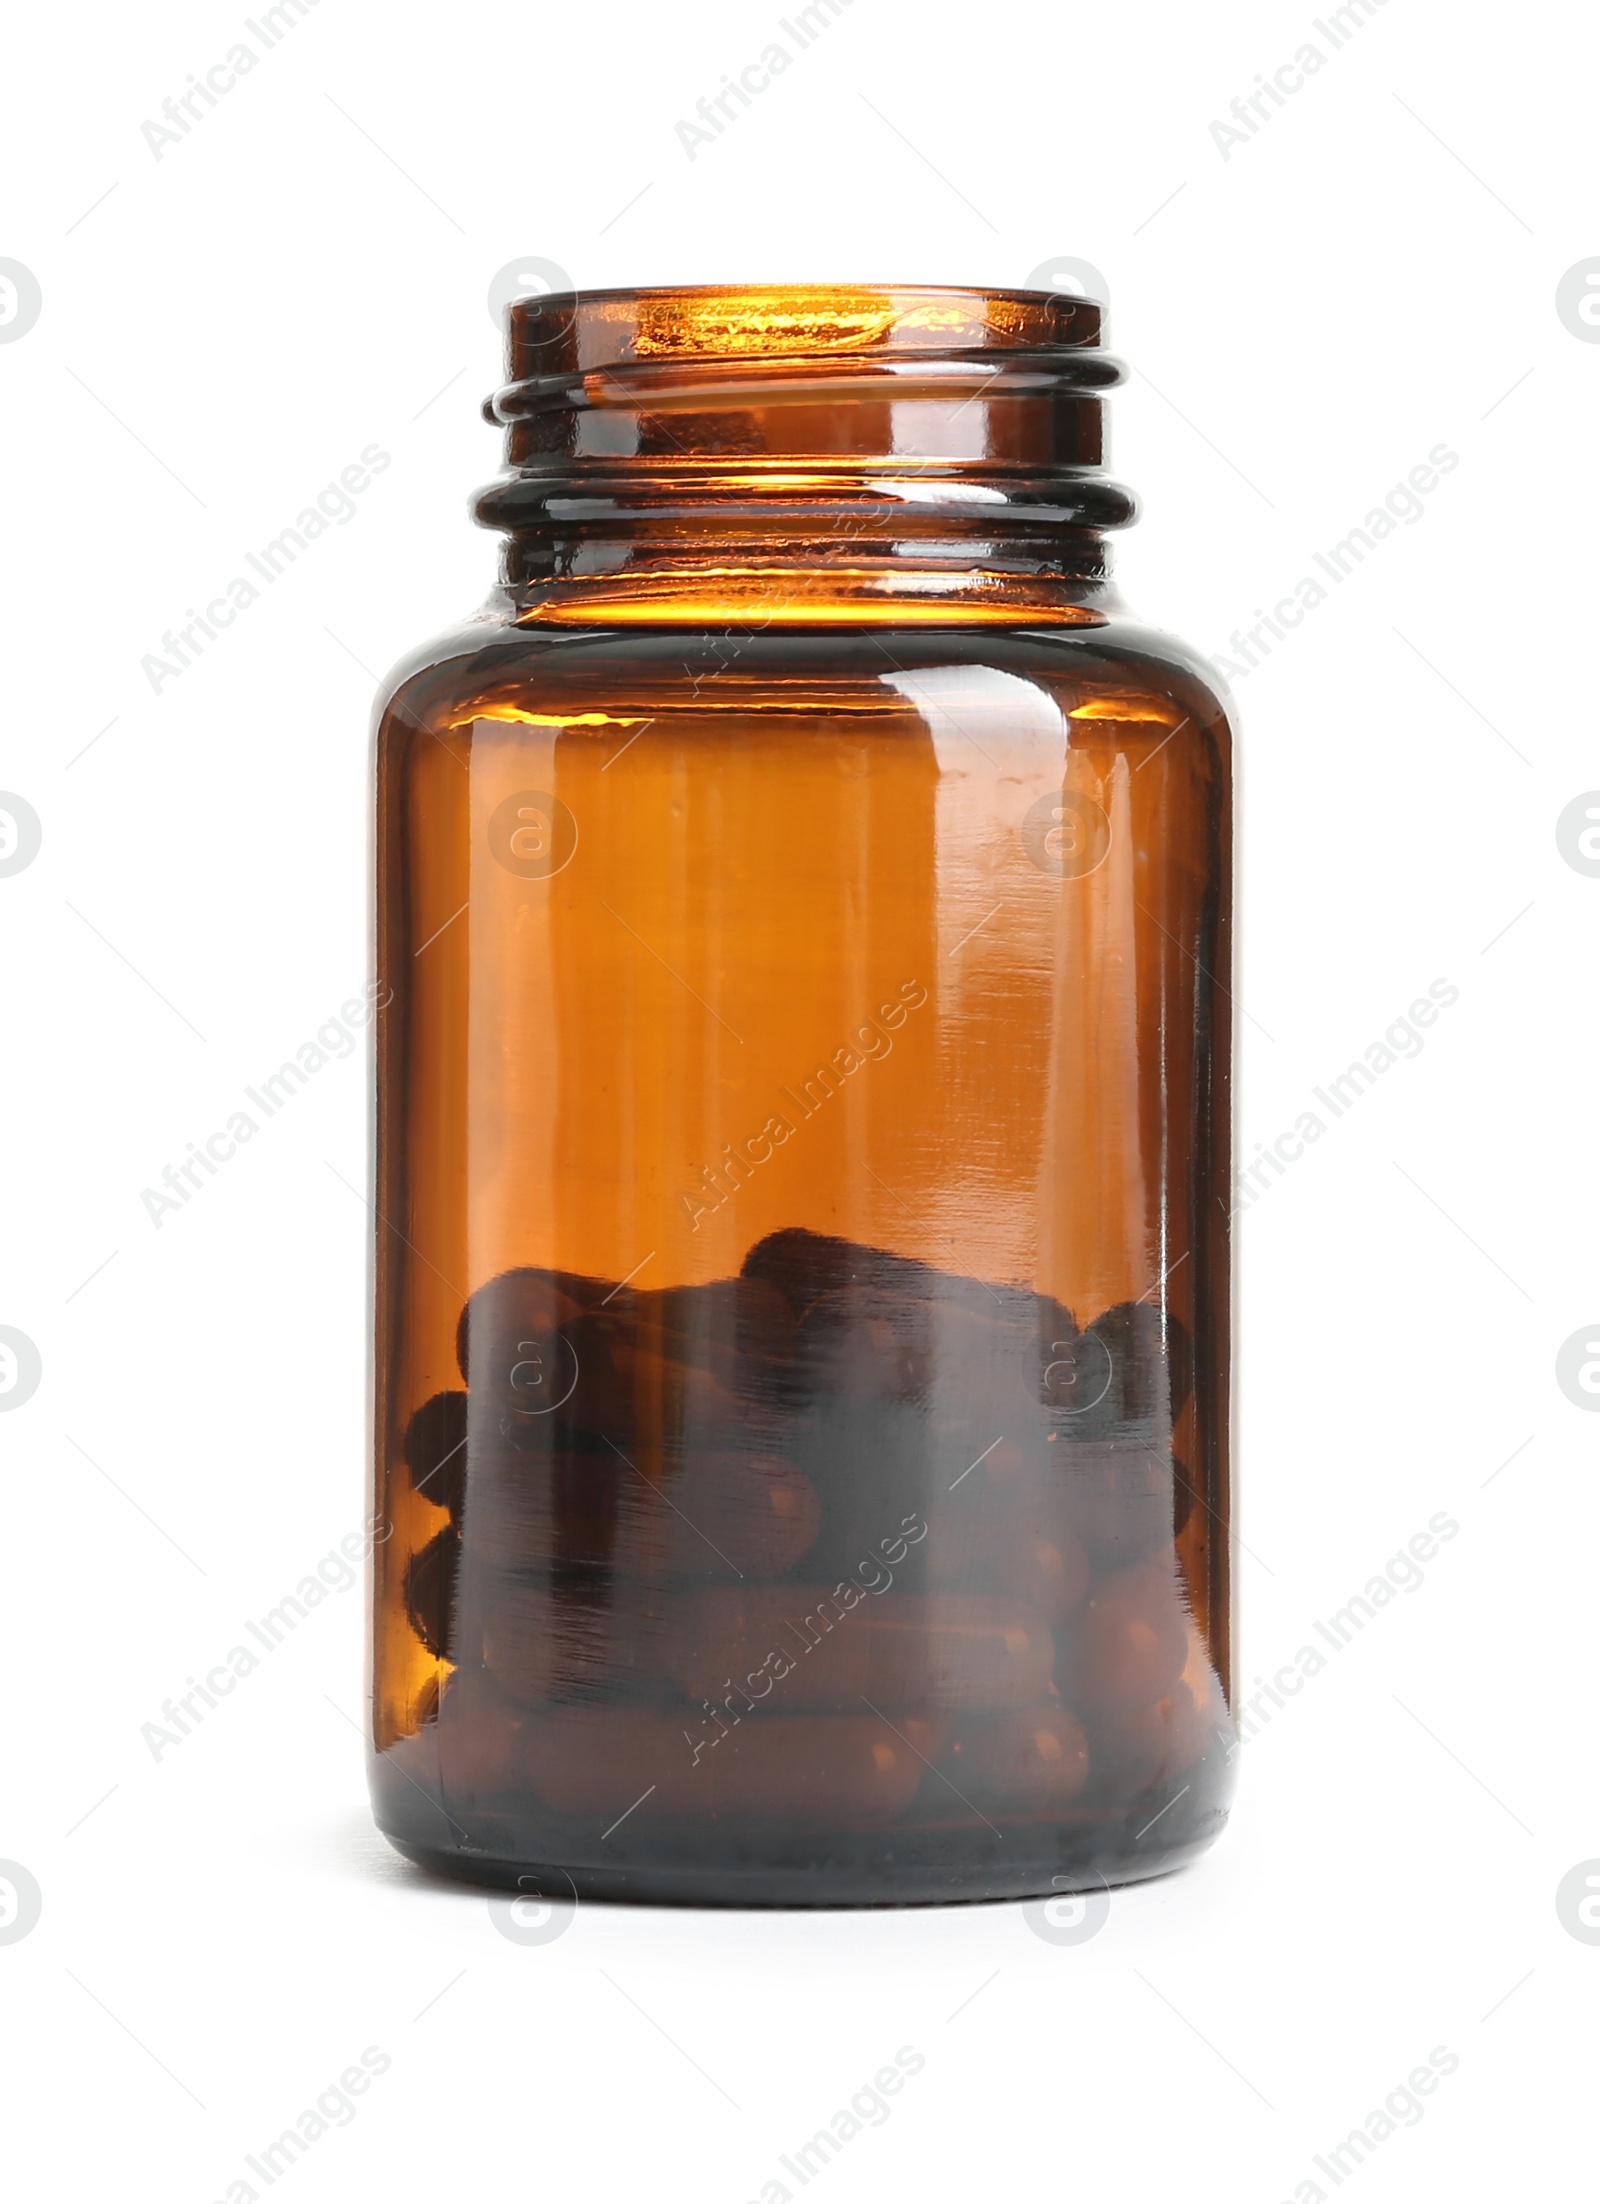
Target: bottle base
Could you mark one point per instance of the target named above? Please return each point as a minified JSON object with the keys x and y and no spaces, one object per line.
{"x":920,"y":1866}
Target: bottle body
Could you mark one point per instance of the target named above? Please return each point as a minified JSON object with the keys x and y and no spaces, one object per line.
{"x":802,"y":1279}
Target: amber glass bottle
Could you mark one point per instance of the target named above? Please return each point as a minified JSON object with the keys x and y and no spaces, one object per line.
{"x":802,"y":1156}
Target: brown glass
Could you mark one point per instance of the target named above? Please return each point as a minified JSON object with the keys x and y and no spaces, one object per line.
{"x":803,"y":1116}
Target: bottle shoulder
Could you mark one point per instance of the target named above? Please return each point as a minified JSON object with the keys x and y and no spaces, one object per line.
{"x":492,"y":667}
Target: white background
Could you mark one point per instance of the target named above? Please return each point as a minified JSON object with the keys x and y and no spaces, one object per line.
{"x":1370,"y":274}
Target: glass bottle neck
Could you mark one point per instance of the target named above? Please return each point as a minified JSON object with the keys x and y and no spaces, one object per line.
{"x":841,"y":562}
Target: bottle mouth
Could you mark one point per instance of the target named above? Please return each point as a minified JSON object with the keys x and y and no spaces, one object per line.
{"x":741,"y":423}
{"x":599,"y":328}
